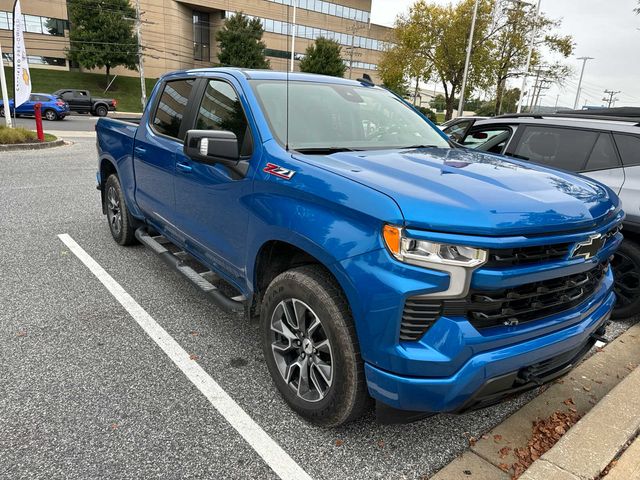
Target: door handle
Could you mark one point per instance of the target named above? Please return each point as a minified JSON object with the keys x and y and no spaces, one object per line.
{"x":140,"y":150}
{"x":186,"y":168}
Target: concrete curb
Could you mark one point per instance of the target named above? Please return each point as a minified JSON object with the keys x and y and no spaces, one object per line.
{"x":588,"y":447}
{"x":628,"y":466}
{"x":32,"y":146}
{"x":585,"y":385}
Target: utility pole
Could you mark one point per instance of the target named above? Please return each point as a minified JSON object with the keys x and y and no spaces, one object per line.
{"x":610,"y":100}
{"x":468,"y":60}
{"x":351,"y":49}
{"x":294,"y":29}
{"x":532,"y":95}
{"x":143,"y":86}
{"x":532,"y":39}
{"x":584,"y":63}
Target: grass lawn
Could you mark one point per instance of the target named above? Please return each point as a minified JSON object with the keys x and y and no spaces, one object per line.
{"x":11,"y":136}
{"x":126,"y":90}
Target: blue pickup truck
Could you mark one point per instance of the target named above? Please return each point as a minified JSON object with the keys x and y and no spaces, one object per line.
{"x":385,"y":264}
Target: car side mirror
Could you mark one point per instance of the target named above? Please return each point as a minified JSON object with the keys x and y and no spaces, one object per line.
{"x":212,"y":146}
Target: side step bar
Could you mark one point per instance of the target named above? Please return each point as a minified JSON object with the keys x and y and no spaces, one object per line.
{"x":235,"y":304}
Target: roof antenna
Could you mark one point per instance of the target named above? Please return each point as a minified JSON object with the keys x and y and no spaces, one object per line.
{"x":293,"y":36}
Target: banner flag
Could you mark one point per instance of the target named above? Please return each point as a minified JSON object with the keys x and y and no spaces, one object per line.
{"x":22,"y":81}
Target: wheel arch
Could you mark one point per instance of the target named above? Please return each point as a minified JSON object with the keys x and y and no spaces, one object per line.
{"x":276,"y":256}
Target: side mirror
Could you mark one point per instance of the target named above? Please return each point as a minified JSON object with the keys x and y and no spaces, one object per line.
{"x":212,"y":146}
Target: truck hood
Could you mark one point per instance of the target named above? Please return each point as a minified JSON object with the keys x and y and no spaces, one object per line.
{"x":462,"y":191}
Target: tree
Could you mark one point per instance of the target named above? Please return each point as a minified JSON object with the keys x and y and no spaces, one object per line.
{"x":510,"y":43}
{"x":431,"y":42}
{"x":101,"y":34}
{"x":240,"y":42}
{"x":323,"y":57}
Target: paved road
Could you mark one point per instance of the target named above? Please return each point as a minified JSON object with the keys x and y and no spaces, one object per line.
{"x":80,"y":123}
{"x":85,"y":392}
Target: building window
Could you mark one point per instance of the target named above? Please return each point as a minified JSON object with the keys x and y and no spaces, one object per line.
{"x":38,"y":60}
{"x":36,"y":24}
{"x":201,"y":37}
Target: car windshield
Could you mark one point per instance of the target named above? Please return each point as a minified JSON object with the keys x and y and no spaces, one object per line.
{"x":327,"y":116}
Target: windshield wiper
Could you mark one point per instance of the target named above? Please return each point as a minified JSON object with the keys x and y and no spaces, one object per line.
{"x":324,"y":150}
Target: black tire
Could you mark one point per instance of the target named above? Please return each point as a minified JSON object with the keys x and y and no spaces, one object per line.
{"x":626,"y":272}
{"x":101,"y":111}
{"x":50,"y":115}
{"x":121,"y":224}
{"x":346,"y":397}
{"x":2,"y":112}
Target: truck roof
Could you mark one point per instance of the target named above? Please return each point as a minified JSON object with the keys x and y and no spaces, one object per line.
{"x":268,"y":75}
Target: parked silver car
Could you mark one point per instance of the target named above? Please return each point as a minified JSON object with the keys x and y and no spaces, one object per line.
{"x":606,"y":149}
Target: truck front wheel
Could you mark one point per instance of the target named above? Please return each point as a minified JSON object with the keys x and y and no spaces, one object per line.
{"x":121,"y":223}
{"x":311,"y":348}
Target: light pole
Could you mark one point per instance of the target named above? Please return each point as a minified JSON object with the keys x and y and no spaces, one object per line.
{"x":293,"y":34}
{"x":468,"y":60}
{"x":532,"y":39}
{"x":584,"y":63}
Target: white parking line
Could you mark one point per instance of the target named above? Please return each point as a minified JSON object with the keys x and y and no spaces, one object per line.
{"x":274,"y":456}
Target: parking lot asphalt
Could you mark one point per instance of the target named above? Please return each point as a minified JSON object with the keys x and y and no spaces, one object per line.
{"x":86,"y":393}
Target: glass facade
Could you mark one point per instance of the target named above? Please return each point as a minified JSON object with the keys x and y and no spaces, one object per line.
{"x":201,"y":36}
{"x":36,"y":24}
{"x":303,"y":31}
{"x":39,"y":60}
{"x":329,"y":8}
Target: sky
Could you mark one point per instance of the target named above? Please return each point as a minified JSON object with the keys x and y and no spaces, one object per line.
{"x":607,"y":30}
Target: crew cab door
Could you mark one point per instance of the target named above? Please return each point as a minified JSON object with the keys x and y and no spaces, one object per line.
{"x":159,"y":140}
{"x":210,"y":197}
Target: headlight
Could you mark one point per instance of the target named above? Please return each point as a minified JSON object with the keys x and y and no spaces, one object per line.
{"x":424,"y":253}
{"x":458,"y":261}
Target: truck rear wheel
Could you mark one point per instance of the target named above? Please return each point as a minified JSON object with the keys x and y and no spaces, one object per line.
{"x":626,"y":274}
{"x":101,"y":111}
{"x":311,"y":348}
{"x":121,"y":223}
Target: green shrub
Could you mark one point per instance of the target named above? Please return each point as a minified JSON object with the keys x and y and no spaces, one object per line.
{"x":16,"y":135}
{"x":430,"y":114}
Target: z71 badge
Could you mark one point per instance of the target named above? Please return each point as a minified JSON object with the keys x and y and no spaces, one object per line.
{"x":279,"y":171}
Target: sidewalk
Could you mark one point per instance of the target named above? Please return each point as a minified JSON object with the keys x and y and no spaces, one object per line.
{"x":510,"y":447}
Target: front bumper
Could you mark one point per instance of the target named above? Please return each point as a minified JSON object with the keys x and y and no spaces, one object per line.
{"x":490,"y":376}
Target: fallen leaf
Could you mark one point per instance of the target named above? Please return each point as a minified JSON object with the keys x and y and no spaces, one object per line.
{"x":586,"y":389}
{"x":339,"y":442}
{"x":504,"y":451}
{"x":599,"y":349}
{"x":497,"y":438}
{"x":195,"y":334}
{"x":114,"y":426}
{"x":21,"y":333}
{"x":568,"y":401}
{"x":193,"y":356}
{"x":504,"y":467}
{"x":472,"y":441}
{"x":381,"y":443}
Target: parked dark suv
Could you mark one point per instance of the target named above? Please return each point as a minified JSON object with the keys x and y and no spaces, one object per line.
{"x":606,"y":149}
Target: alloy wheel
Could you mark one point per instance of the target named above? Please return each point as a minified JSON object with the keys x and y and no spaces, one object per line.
{"x":627,"y":279}
{"x":301,"y":350}
{"x":114,"y":212}
{"x":50,"y":115}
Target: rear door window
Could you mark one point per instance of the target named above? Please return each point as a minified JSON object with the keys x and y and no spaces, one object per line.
{"x":172,"y":107}
{"x":629,"y":148}
{"x":604,"y":155}
{"x":564,"y":148}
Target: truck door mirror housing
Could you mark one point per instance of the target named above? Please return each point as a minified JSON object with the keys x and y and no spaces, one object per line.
{"x":212,"y":146}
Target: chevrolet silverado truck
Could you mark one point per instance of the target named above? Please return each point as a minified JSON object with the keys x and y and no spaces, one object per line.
{"x":384,"y":263}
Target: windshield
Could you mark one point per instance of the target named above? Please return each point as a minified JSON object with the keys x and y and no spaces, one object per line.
{"x":330,"y":116}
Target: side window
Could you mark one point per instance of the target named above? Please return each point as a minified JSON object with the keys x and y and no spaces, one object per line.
{"x":563,"y":148}
{"x":172,"y":107}
{"x":603,"y":155}
{"x":221,"y":109}
{"x":456,"y":131}
{"x":481,"y":137}
{"x":629,"y":148}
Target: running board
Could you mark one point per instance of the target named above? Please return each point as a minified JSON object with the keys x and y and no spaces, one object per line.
{"x":156,"y":245}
